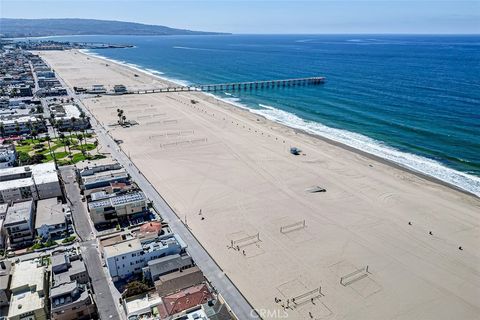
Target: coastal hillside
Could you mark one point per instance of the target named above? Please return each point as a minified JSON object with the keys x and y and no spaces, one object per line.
{"x":15,"y":28}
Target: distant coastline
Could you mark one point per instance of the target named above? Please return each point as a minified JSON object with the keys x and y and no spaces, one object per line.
{"x":33,"y":28}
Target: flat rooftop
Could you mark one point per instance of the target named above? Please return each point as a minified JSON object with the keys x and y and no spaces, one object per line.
{"x":43,"y":173}
{"x":109,"y":175}
{"x":27,"y":274}
{"x":25,"y":302}
{"x":142,"y":304}
{"x":22,"y":119}
{"x":122,"y":248}
{"x":19,"y":212}
{"x":117,"y":200}
{"x":89,"y":164}
{"x":63,"y":289}
{"x":49,"y":212}
{"x":72,"y":111}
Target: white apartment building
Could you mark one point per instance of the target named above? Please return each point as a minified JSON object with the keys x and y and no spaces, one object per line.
{"x":19,"y":224}
{"x":21,"y":125}
{"x":38,"y":181}
{"x":28,"y":289}
{"x":64,"y":115}
{"x":50,"y":219}
{"x":128,"y":257}
{"x":8,"y":156}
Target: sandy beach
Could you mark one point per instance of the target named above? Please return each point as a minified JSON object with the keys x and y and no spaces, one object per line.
{"x":236,"y":168}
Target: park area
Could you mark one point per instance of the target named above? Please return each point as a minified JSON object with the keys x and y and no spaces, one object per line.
{"x":64,"y":149}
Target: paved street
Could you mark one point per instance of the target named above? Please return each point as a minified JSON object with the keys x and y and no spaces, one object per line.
{"x":106,"y":303}
{"x":239,"y":305}
{"x":83,"y":225}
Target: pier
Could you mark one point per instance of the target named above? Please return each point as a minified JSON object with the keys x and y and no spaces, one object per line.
{"x":239,"y":86}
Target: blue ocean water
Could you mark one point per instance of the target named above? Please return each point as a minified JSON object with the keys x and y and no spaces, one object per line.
{"x":414,"y":100}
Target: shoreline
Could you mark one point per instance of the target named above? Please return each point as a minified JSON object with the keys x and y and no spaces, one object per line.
{"x":345,"y":146}
{"x":236,"y":167}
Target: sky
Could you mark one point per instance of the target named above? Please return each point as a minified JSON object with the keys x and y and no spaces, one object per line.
{"x":268,"y":16}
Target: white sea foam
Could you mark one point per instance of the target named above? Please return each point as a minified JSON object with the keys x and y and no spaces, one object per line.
{"x":413,"y":162}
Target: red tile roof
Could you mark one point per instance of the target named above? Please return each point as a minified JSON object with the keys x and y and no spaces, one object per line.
{"x":184,"y":300}
{"x":151,"y":227}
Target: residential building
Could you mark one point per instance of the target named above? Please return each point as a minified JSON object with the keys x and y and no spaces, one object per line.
{"x":51,"y":92}
{"x":3,"y":235}
{"x":69,"y":117}
{"x":22,"y":125}
{"x":38,"y":181}
{"x":179,"y":280}
{"x":109,"y":207}
{"x":143,"y":306}
{"x":167,"y":264}
{"x":8,"y":156}
{"x":66,"y":269}
{"x":3,"y":210}
{"x":24,"y":91}
{"x":69,"y":296}
{"x":19,"y":224}
{"x":71,"y":301}
{"x":104,"y":179}
{"x":127,"y":258}
{"x":28,"y":290}
{"x":50,"y":219}
{"x":212,"y":310}
{"x":89,"y":168}
{"x":5,"y":278}
{"x":184,"y":301}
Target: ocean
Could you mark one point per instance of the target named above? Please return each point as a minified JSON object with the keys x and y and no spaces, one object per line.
{"x":414,"y":100}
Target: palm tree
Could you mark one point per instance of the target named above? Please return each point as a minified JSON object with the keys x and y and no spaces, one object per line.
{"x":62,"y":139}
{"x":80,"y":138}
{"x":52,"y":154}
{"x":34,"y":134}
{"x":85,"y":120}
{"x":17,"y":128}
{"x":73,"y":120}
{"x":95,"y":143}
{"x":29,"y":126}
{"x":67,"y":144}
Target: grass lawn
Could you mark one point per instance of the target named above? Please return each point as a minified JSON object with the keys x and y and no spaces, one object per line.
{"x":24,"y":148}
{"x":29,"y":148}
{"x":85,"y":147}
{"x":58,"y":155}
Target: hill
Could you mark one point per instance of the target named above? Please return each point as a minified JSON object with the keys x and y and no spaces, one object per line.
{"x":16,"y":28}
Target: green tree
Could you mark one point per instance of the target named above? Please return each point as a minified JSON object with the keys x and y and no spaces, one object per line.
{"x":17,"y":128}
{"x":52,"y":154}
{"x":135,"y":287}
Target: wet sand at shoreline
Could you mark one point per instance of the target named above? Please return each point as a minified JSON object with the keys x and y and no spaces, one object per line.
{"x":236,"y":167}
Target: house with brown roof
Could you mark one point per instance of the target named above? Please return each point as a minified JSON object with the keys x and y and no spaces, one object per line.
{"x":184,"y":300}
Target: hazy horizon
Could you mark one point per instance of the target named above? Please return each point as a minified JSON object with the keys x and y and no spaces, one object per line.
{"x":269,"y":17}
